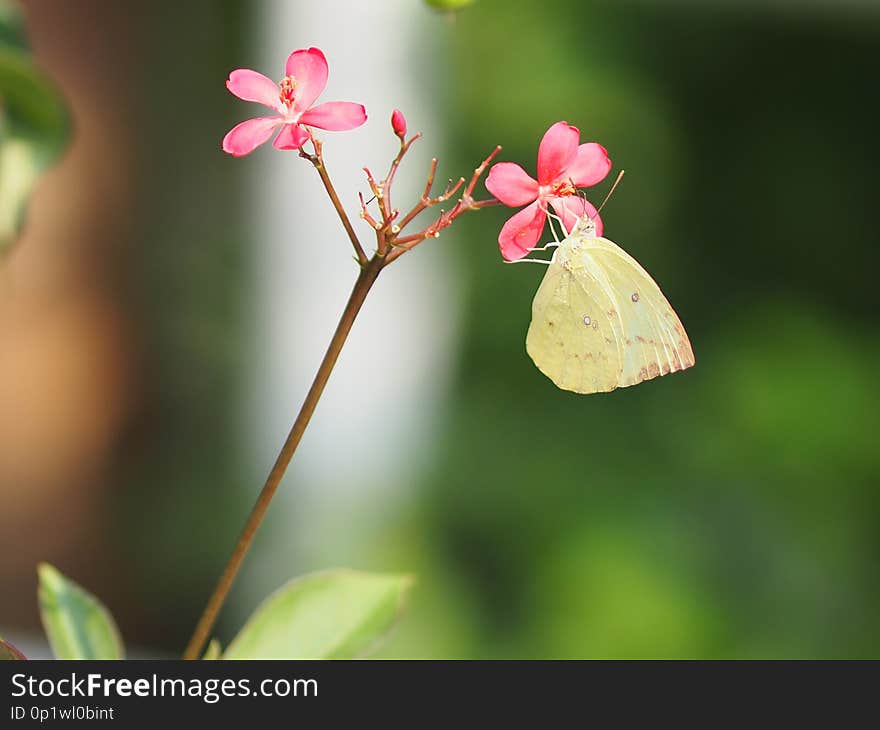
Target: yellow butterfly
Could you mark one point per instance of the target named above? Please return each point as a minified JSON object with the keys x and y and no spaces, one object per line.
{"x":599,"y":321}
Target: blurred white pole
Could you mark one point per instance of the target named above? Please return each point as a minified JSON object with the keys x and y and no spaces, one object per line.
{"x":378,"y":414}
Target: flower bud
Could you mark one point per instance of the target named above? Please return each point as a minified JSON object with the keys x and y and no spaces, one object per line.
{"x":398,"y":123}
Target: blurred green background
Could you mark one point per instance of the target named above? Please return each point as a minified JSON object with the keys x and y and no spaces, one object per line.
{"x":731,"y":511}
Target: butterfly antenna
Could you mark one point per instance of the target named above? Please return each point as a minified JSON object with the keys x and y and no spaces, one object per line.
{"x":611,"y":192}
{"x":583,"y":196}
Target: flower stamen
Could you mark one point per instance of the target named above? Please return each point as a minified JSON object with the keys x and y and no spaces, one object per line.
{"x":563,"y":188}
{"x":288,"y":87}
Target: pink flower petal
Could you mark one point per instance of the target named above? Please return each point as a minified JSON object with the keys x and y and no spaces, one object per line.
{"x":291,"y":137}
{"x":512,"y":185}
{"x":557,"y":151}
{"x":572,"y":207}
{"x":590,"y":166}
{"x":309,"y":68}
{"x":521,"y":232}
{"x":252,"y":86}
{"x":244,"y":138}
{"x":335,"y":116}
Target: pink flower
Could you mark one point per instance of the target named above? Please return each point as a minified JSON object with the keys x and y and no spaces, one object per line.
{"x":563,"y":166}
{"x":291,"y":99}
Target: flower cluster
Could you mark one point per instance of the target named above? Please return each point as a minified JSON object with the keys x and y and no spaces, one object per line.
{"x":564,"y":164}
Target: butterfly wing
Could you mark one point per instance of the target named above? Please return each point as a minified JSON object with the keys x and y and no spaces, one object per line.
{"x":600,"y":322}
{"x":571,"y":338}
{"x":654,"y":341}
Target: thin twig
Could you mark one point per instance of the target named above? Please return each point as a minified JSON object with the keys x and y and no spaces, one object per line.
{"x":400,"y":246}
{"x":317,"y":160}
{"x":389,"y":179}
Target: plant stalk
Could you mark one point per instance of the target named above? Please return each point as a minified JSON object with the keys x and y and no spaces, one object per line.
{"x":367,"y":277}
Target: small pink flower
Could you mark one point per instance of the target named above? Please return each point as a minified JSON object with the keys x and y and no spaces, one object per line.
{"x":398,"y":123}
{"x":564,"y":165}
{"x":292,"y":99}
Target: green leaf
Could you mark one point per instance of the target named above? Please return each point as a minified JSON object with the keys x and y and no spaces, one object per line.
{"x":77,"y":624}
{"x":8,"y":651}
{"x":213,"y":651}
{"x":335,"y":614}
{"x":33,"y":125}
{"x":449,"y":5}
{"x":11,"y":25}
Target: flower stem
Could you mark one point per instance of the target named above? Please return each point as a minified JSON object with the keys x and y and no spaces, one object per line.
{"x":317,"y":160}
{"x":346,"y":223}
{"x":364,"y":283}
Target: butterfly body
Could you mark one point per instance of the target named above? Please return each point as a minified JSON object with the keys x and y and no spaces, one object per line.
{"x":600,"y":322}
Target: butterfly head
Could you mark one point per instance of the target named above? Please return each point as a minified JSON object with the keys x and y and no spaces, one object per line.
{"x":577,"y":240}
{"x":584,"y":227}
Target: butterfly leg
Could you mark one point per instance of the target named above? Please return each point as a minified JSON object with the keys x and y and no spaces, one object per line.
{"x":545,"y":247}
{"x":547,"y":262}
{"x":550,"y":218}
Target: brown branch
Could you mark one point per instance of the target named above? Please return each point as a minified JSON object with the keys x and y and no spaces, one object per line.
{"x":365,"y":214}
{"x":370,"y":269}
{"x":400,"y":246}
{"x":389,"y":179}
{"x":362,"y":286}
{"x":317,"y":160}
